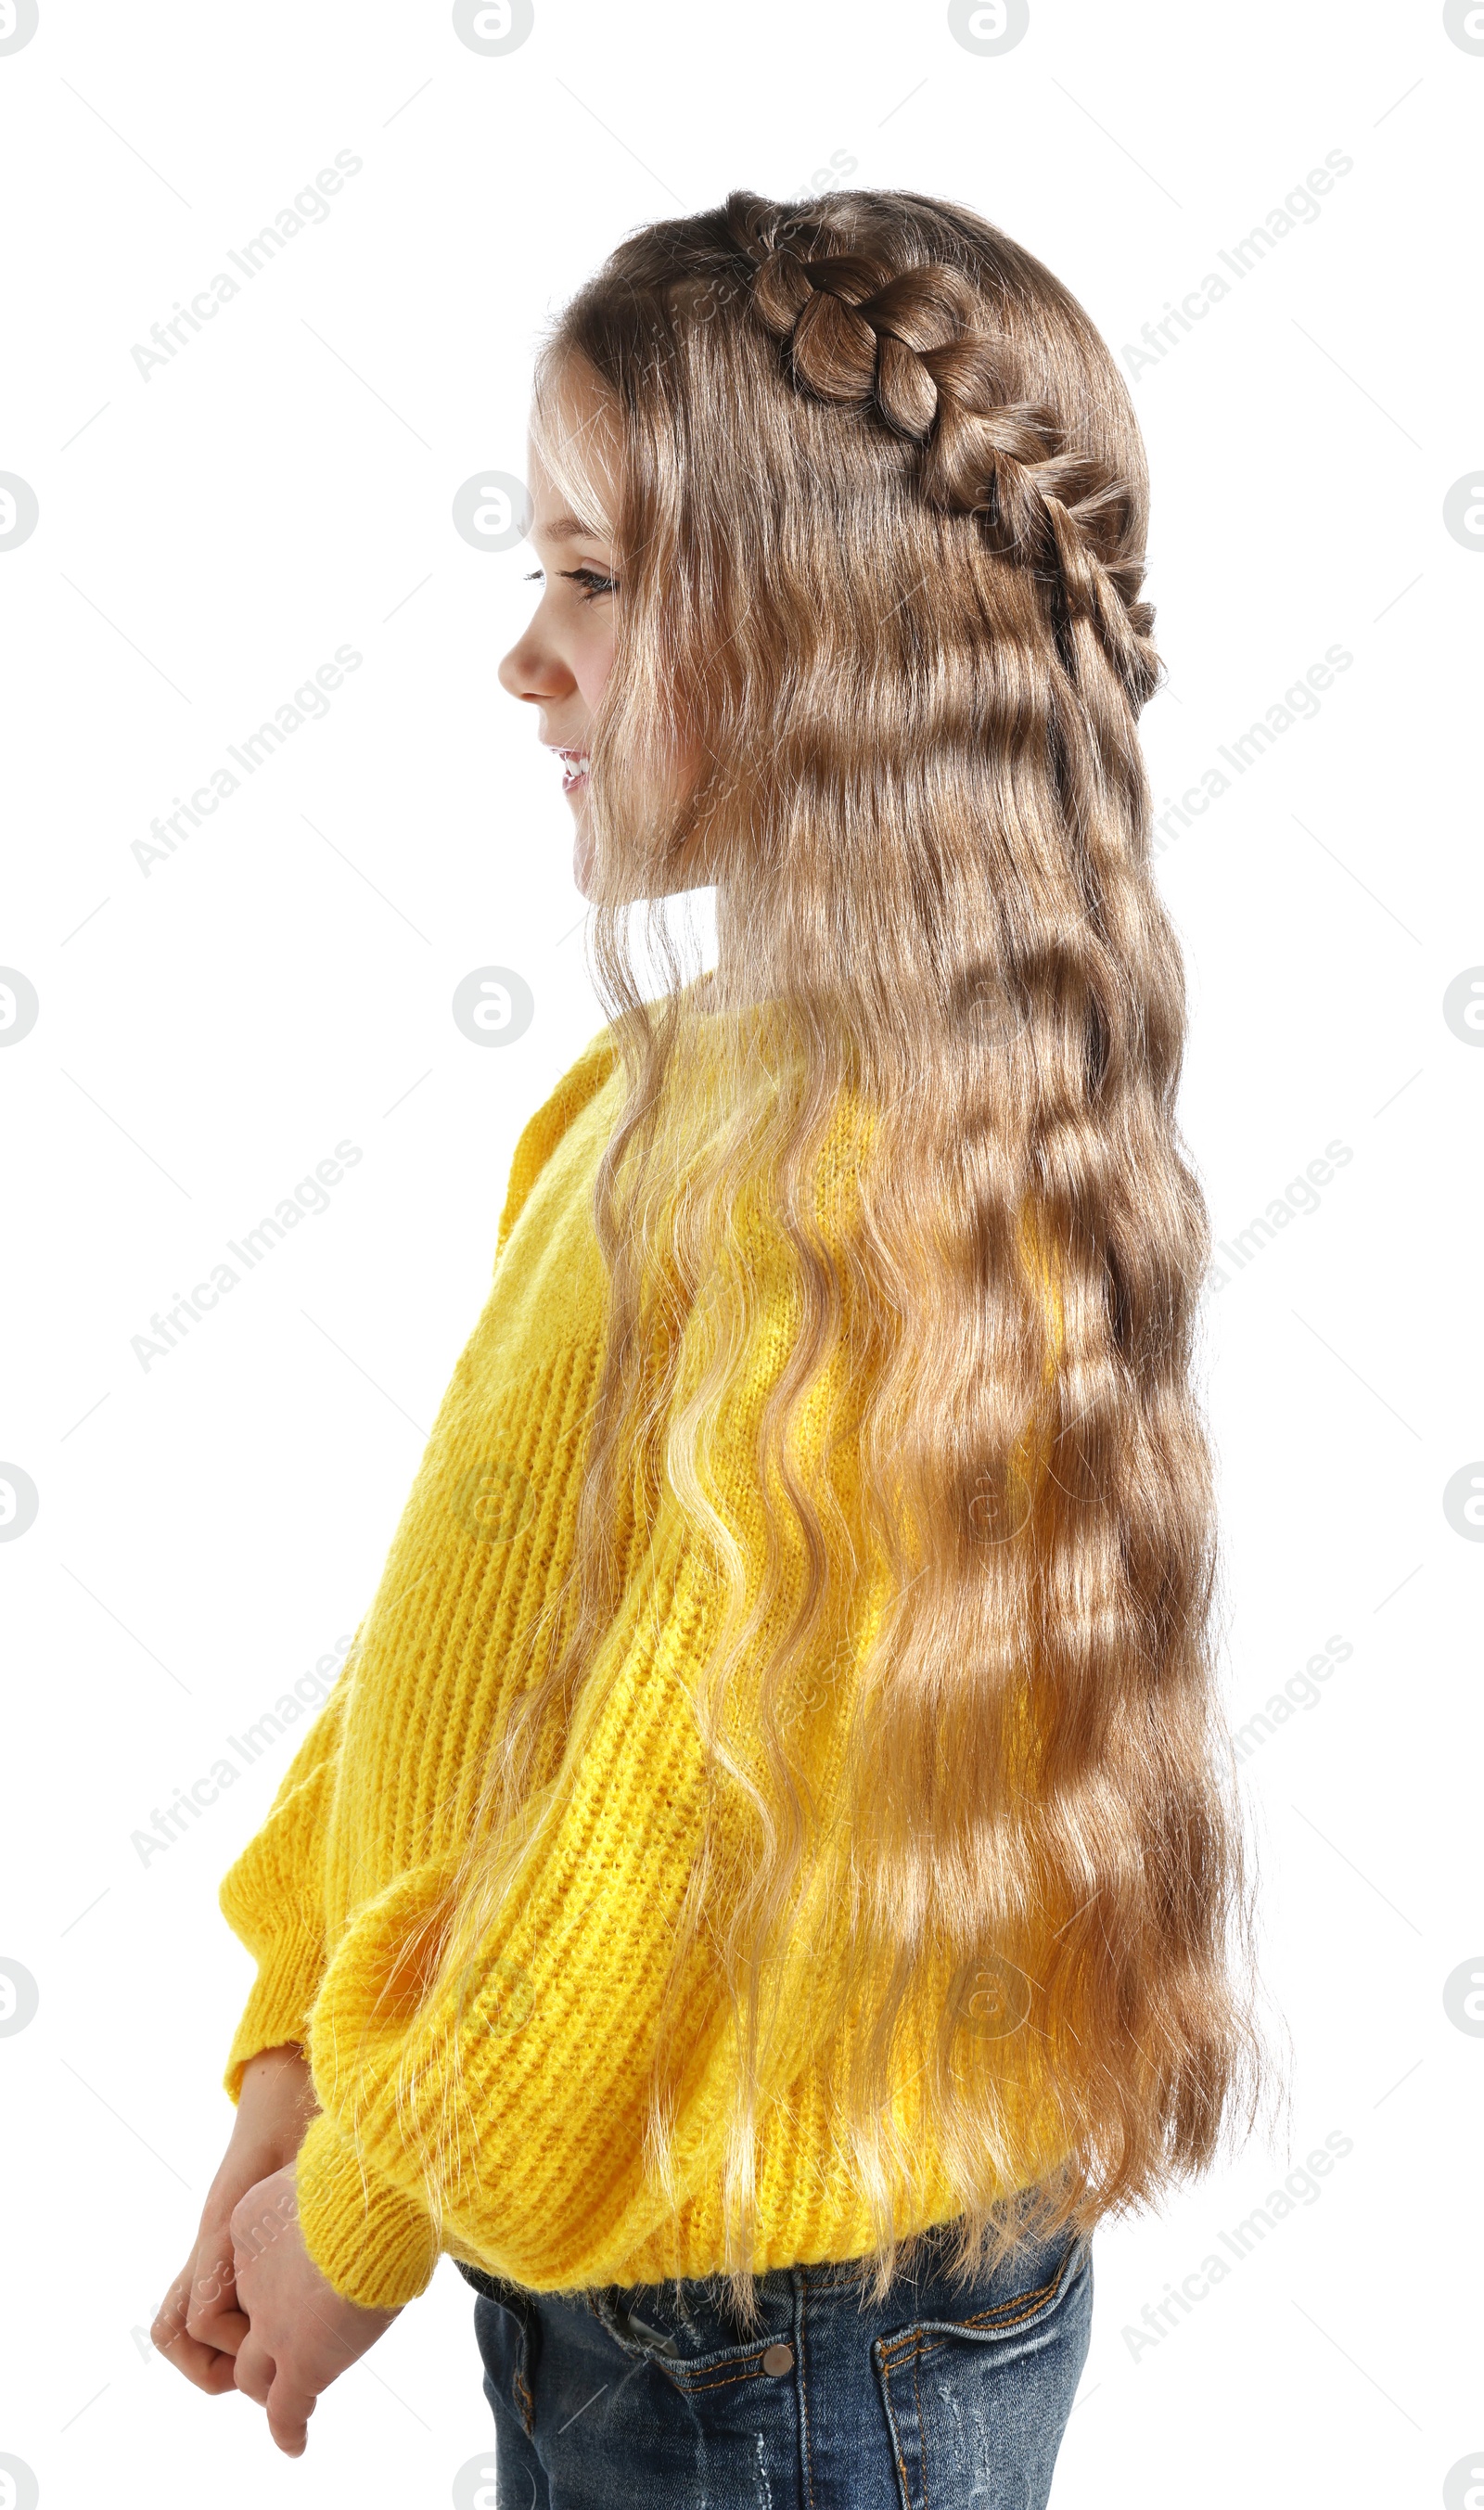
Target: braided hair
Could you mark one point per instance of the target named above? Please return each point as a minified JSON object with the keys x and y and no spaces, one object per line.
{"x":910,"y":349}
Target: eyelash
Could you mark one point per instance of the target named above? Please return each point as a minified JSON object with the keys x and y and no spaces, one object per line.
{"x":587,"y":576}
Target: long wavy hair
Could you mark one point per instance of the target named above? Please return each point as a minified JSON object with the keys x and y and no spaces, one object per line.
{"x":879,"y":531}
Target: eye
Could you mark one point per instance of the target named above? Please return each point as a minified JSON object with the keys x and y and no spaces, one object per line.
{"x":588,"y":578}
{"x":590,"y":581}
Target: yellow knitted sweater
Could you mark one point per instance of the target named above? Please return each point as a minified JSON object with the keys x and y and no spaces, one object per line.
{"x":376,"y":1805}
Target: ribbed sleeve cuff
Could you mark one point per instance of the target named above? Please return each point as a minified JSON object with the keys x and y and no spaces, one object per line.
{"x":373,"y":2243}
{"x":290,"y":1970}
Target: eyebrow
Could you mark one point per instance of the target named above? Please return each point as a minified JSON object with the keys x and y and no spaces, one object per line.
{"x":569,"y":528}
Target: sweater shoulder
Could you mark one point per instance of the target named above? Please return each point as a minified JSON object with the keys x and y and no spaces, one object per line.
{"x":579,"y":1084}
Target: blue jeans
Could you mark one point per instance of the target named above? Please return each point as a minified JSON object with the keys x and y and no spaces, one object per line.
{"x":649,"y":2396}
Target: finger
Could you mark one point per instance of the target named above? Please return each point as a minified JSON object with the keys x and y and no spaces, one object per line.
{"x":192,"y":2354}
{"x":202,"y":2364}
{"x":213,"y":2281}
{"x":222,"y":2332}
{"x":290,"y":2408}
{"x":213,"y":2300}
{"x":253,"y":2369}
{"x":170,"y":2316}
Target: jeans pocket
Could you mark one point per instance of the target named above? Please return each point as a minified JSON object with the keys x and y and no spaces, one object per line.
{"x":977,"y":2406}
{"x":688,"y":2334}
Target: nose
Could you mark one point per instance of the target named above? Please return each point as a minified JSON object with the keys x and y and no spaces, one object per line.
{"x":533,"y":672}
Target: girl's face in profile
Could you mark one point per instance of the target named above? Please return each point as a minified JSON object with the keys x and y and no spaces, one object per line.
{"x":564,"y":657}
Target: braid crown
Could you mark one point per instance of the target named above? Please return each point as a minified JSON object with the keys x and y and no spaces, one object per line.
{"x":909,"y":350}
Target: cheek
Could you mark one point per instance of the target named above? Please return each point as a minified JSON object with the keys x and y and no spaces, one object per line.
{"x":593,"y":661}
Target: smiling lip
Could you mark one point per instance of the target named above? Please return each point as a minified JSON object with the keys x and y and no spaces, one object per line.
{"x":574,"y":767}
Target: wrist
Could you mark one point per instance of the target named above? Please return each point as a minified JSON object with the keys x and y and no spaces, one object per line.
{"x":276,"y":2103}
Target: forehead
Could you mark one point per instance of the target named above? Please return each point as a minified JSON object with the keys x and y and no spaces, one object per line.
{"x":574,"y":454}
{"x":552,"y":519}
{"x":564,"y":506}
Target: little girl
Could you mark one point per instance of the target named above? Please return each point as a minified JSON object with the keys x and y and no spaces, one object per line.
{"x":761,"y":1889}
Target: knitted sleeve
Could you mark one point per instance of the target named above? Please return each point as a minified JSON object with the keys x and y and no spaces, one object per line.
{"x":538,"y":2072}
{"x":541,"y":2074}
{"x":273,"y":1897}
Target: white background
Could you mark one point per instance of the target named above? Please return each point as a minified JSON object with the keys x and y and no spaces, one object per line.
{"x":208,"y":1527}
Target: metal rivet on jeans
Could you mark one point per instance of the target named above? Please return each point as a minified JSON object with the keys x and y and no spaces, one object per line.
{"x":777,"y":2359}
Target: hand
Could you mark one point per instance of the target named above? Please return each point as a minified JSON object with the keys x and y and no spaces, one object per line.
{"x":301,"y":2333}
{"x":200,"y":2326}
